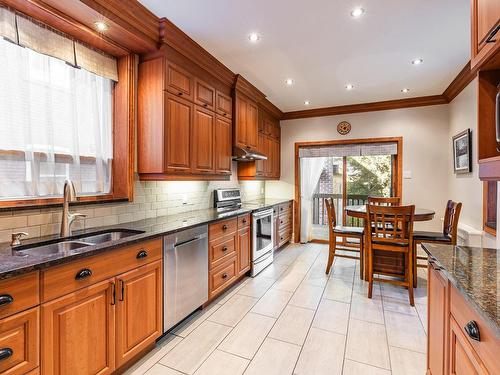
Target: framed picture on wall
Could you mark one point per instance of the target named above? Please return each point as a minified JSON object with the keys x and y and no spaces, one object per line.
{"x":462,"y":152}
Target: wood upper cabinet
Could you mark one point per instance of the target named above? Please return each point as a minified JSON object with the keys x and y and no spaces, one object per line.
{"x":246,"y":123}
{"x":485,"y":30}
{"x":223,"y":145}
{"x":138,"y":310}
{"x":19,"y":340}
{"x":202,"y":140}
{"x":437,"y":327}
{"x":204,"y":94}
{"x":179,"y":117}
{"x":224,"y":105}
{"x":179,"y":82}
{"x":261,"y":165}
{"x":78,"y":331}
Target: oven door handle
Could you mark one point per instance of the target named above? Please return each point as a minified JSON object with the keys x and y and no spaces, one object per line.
{"x":261,"y":214}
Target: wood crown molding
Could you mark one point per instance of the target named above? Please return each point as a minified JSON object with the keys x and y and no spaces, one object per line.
{"x":460,"y":82}
{"x":367,"y":107}
{"x":177,"y":39}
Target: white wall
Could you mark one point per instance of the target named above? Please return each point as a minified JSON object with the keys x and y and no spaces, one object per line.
{"x":426,"y":145}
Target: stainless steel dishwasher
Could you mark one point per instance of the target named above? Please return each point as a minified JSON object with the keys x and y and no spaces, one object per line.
{"x":185,"y":274}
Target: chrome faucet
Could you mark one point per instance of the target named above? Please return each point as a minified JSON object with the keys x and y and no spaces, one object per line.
{"x":69,"y":195}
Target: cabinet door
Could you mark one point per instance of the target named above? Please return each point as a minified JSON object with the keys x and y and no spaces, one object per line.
{"x":260,"y":165}
{"x":178,"y":120}
{"x":437,"y":330}
{"x":204,"y":94}
{"x":270,"y":157}
{"x":463,"y":360}
{"x":252,"y":125}
{"x":179,"y":81}
{"x":223,"y":145}
{"x":224,"y":105}
{"x":240,"y":133}
{"x":138,"y":310}
{"x":78,"y":332}
{"x":488,"y":16}
{"x":19,"y":342}
{"x":243,"y":250}
{"x":276,"y":162}
{"x":202,"y":141}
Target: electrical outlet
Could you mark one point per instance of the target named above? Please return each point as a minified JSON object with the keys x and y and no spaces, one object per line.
{"x":184,"y":199}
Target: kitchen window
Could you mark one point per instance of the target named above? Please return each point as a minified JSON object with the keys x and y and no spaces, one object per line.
{"x":57,"y":104}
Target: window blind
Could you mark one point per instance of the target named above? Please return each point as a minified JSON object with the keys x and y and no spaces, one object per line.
{"x":355,"y":149}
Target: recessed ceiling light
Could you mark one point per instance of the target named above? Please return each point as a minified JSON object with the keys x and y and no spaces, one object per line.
{"x":307,"y":102}
{"x":289,"y":81}
{"x":254,"y":37}
{"x":100,"y":26}
{"x":349,"y":86}
{"x":357,"y":12}
{"x":404,"y":91}
{"x":417,"y":61}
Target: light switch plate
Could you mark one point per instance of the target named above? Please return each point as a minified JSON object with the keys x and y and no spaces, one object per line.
{"x":407,"y":175}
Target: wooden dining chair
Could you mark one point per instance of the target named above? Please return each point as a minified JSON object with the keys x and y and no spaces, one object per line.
{"x":447,"y":236}
{"x":335,"y":231}
{"x":384,"y":201}
{"x":391,"y":230}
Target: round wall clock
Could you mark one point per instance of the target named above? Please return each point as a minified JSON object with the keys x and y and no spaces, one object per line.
{"x":343,"y":128}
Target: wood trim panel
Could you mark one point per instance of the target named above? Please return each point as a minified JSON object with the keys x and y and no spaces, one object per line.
{"x":398,"y":176}
{"x":460,"y":82}
{"x":367,"y":107}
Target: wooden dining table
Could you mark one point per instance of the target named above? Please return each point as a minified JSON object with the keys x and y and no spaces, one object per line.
{"x":390,"y":263}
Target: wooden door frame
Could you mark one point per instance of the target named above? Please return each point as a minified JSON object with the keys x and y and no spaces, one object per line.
{"x":398,"y":169}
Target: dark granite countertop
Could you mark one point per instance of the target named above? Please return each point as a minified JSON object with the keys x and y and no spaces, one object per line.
{"x":13,"y":263}
{"x":475,"y":272}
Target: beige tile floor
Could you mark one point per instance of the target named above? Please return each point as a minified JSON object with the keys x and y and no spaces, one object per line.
{"x":294,"y":319}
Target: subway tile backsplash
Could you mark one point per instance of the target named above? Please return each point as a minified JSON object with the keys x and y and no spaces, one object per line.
{"x":151,"y":199}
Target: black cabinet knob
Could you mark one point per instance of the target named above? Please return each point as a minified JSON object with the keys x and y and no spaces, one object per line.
{"x":473,"y":330}
{"x":224,"y":227}
{"x":244,"y":221}
{"x":180,"y":93}
{"x":5,"y":299}
{"x":142,"y":254}
{"x":224,"y":248}
{"x":205,"y":105}
{"x":5,"y":353}
{"x":224,"y":276}
{"x":82,"y":274}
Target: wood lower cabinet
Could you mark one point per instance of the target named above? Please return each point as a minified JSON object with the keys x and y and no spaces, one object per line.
{"x":462,"y":358}
{"x":437,"y":331}
{"x":244,"y":250}
{"x":138,"y":310}
{"x":78,"y":332}
{"x":19,"y":342}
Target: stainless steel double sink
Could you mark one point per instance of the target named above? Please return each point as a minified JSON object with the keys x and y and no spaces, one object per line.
{"x":67,"y":246}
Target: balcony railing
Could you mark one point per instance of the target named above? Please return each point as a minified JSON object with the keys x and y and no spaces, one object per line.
{"x":319,"y":209}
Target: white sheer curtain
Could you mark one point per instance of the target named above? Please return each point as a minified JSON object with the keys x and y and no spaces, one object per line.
{"x":310,"y":172}
{"x":55,"y":123}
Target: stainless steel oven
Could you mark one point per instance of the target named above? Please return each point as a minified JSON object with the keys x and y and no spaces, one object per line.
{"x":262,"y":240}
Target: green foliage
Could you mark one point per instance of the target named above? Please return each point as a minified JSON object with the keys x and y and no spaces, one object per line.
{"x":369,"y":175}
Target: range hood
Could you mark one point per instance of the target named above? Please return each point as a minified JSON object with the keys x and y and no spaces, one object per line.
{"x":241,"y":154}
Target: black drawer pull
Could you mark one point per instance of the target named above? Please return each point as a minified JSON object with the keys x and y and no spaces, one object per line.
{"x":205,"y":105}
{"x":492,"y":35}
{"x":82,"y":274}
{"x":142,"y":254}
{"x":473,"y":330}
{"x":180,"y":93}
{"x":244,"y":221}
{"x":5,"y":353}
{"x":225,"y":114}
{"x":224,"y":275}
{"x":224,"y":248}
{"x":224,"y":227}
{"x":5,"y":299}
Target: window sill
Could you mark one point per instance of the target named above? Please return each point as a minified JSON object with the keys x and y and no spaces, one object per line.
{"x":42,"y":203}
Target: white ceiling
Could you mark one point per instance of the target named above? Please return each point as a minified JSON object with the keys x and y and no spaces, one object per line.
{"x":320,"y":46}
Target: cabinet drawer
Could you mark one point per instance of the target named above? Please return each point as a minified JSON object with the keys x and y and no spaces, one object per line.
{"x":179,"y":82}
{"x":66,"y":278}
{"x":489,"y":345}
{"x":285,"y":235}
{"x":222,"y":250}
{"x":19,"y":339}
{"x":285,"y":220}
{"x":222,"y":277}
{"x":19,"y":293}
{"x":222,"y":228}
{"x":286,"y":207}
{"x":243,"y":221}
